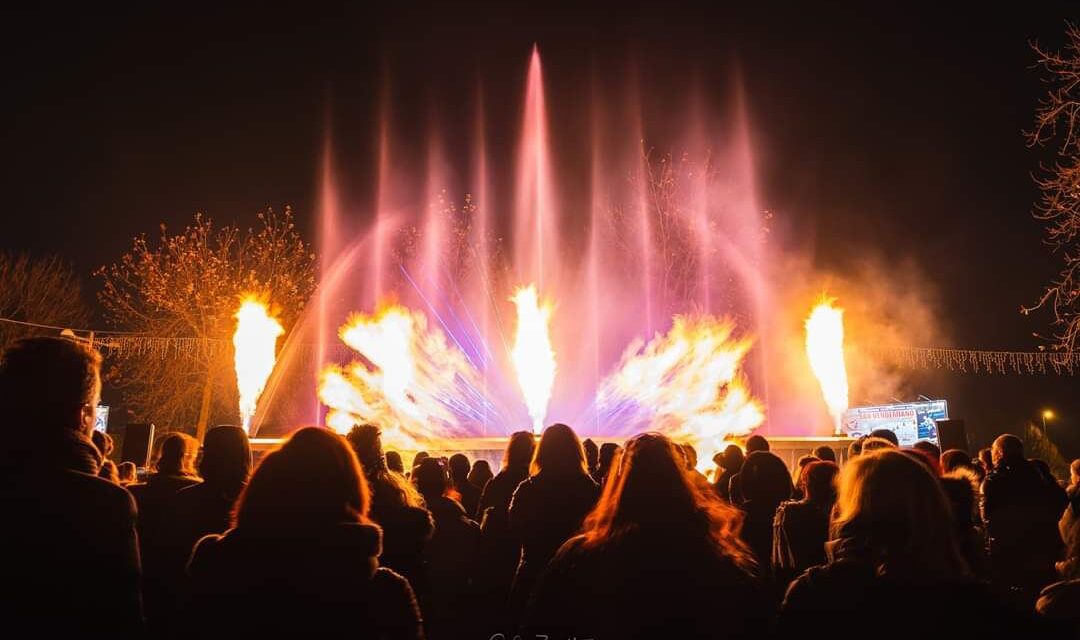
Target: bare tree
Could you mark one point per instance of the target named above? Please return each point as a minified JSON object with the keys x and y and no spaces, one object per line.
{"x":1057,"y":126}
{"x":1037,"y":444}
{"x":37,"y":292}
{"x":189,"y":285}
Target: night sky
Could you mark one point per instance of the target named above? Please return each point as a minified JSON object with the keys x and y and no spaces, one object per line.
{"x":897,"y":130}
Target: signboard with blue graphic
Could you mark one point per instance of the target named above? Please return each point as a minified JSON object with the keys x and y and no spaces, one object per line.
{"x":910,"y":422}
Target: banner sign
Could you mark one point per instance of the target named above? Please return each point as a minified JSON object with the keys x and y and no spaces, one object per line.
{"x":910,"y":422}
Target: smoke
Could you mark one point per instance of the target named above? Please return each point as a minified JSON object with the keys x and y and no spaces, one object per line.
{"x":886,"y":303}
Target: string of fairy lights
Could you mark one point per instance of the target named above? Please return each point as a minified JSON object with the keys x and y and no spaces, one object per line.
{"x":964,"y":361}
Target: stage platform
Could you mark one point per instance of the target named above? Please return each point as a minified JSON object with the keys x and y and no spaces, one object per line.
{"x":788,"y":448}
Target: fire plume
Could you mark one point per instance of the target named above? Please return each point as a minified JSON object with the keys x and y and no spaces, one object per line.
{"x":533,"y":357}
{"x":411,"y":381}
{"x":825,"y":349}
{"x":687,"y":383}
{"x":255,"y":342}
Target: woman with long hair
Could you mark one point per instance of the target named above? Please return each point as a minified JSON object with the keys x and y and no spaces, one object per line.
{"x":801,"y":527}
{"x":396,"y":507}
{"x":549,"y":507}
{"x":303,"y":555}
{"x":892,"y":541}
{"x":659,"y":556}
{"x":764,"y":483}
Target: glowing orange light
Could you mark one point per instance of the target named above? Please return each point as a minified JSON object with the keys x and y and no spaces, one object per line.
{"x":825,"y":349}
{"x":533,"y":357}
{"x":255,"y":342}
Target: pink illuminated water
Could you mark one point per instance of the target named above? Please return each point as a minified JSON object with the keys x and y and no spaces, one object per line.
{"x":655,"y":235}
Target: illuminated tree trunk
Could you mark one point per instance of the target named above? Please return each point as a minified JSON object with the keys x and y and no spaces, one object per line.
{"x":204,"y":408}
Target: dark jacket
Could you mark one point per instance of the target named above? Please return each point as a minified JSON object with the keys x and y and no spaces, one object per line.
{"x":849,"y":599}
{"x":636,"y":587}
{"x":800,"y":530}
{"x":469,"y":497}
{"x":162,"y":555}
{"x":315,"y":583}
{"x":500,"y":549}
{"x":451,"y":606}
{"x":723,"y":484}
{"x":764,"y":483}
{"x":544,"y":513}
{"x":1021,"y":510}
{"x":71,"y":560}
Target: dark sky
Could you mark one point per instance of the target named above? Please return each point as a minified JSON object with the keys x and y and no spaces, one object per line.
{"x":897,"y":128}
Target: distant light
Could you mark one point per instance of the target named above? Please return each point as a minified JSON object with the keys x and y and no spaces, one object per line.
{"x":1048,"y":415}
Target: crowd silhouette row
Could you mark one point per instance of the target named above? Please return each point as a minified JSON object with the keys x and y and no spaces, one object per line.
{"x":330,"y":534}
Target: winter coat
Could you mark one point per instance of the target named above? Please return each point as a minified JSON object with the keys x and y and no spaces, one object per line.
{"x":647,"y":586}
{"x":314,"y":583}
{"x":71,"y":562}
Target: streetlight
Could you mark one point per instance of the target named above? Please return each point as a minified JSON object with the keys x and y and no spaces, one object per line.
{"x":1046,"y":415}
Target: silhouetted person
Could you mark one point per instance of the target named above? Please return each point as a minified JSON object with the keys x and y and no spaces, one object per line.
{"x":592,"y":455}
{"x":961,"y":488}
{"x":394,"y":462}
{"x":925,"y":458}
{"x":797,"y":481}
{"x":451,"y":556}
{"x":549,"y":507}
{"x":954,"y":459}
{"x":824,"y":452}
{"x":396,"y":507}
{"x":885,"y":434}
{"x":609,"y":453}
{"x":855,"y":448}
{"x":766,"y":482}
{"x":500,"y":548}
{"x":986,"y":461}
{"x":225,"y":466}
{"x":126,"y":473}
{"x":892,"y":543}
{"x":801,"y":528}
{"x":468,"y":494}
{"x":730,"y":463}
{"x":479,"y":476}
{"x":197,"y":510}
{"x":303,"y":556}
{"x":691,"y":458}
{"x":71,"y":565}
{"x":753,"y":444}
{"x":1021,"y":509}
{"x":657,"y":558}
{"x":929,"y":448}
{"x":874,"y":443}
{"x":156,"y":500}
{"x":418,"y":458}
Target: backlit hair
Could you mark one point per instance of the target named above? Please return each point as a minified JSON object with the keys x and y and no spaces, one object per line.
{"x":650,"y":491}
{"x":559,"y":453}
{"x":891,"y":505}
{"x":312,"y":481}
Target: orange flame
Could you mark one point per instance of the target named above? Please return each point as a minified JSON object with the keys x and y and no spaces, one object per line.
{"x":406,"y":384}
{"x":255,"y":342}
{"x":534,"y":359}
{"x":825,"y":349}
{"x":688,"y":384}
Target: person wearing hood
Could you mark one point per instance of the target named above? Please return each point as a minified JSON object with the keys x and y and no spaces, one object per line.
{"x":892,"y":541}
{"x":302,"y":556}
